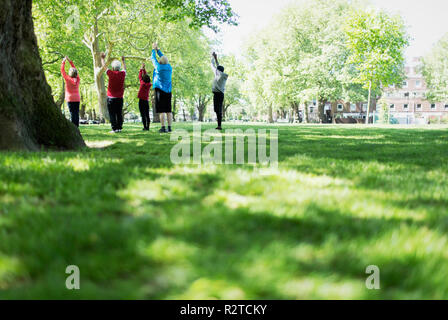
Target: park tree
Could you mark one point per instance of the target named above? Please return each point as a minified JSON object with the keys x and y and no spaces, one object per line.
{"x":376,"y":41}
{"x":435,"y":71}
{"x":301,"y":56}
{"x":29,"y":117}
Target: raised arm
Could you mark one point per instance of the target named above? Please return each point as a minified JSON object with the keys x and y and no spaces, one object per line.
{"x":64,"y":74}
{"x":154,"y":59}
{"x":104,"y":64}
{"x":124,"y":63}
{"x":215,"y":63}
{"x":141,"y":74}
{"x":71,"y":63}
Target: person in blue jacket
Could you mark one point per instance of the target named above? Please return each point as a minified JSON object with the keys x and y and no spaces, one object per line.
{"x":162,"y":88}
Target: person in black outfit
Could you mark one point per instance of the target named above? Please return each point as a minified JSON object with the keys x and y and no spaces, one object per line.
{"x":219,"y":87}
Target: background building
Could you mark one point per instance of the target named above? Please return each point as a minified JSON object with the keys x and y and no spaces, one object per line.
{"x":408,"y":104}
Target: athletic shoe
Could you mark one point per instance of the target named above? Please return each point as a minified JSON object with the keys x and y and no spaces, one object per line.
{"x":169,"y":129}
{"x":163,"y":130}
{"x":113,"y":131}
{"x":219,"y":128}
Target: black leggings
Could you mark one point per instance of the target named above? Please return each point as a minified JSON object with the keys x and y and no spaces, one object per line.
{"x":115,"y":107}
{"x":218,"y":100}
{"x":74,"y":112}
{"x":143,"y":105}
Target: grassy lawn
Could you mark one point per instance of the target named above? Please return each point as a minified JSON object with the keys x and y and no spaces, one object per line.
{"x":140,"y":227}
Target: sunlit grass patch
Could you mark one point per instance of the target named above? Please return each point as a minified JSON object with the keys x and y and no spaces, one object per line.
{"x":138,"y":226}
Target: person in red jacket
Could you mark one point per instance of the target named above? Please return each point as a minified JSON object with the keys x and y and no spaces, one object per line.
{"x":143,"y":95}
{"x":115,"y":92}
{"x":72,"y":96}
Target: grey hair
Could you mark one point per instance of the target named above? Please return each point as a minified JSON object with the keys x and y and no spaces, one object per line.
{"x":163,"y":60}
{"x":116,"y":65}
{"x":73,"y":73}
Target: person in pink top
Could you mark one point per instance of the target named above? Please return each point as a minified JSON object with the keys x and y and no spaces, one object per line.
{"x":72,"y":96}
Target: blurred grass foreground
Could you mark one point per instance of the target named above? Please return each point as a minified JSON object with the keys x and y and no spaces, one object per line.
{"x":140,"y":227}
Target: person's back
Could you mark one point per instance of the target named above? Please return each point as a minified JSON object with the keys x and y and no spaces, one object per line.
{"x":145,"y":86}
{"x":162,"y":77}
{"x":71,"y":83}
{"x":116,"y":83}
{"x":220,"y":81}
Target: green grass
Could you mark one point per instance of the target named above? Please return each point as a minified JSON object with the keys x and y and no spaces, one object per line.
{"x":140,"y":227}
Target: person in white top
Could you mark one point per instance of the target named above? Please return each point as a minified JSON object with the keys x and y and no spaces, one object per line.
{"x":219,"y":88}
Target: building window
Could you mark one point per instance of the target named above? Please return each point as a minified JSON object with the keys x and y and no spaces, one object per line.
{"x":311,"y":110}
{"x":406,"y":107}
{"x":364,"y":107}
{"x":433,"y":106}
{"x":405,"y":84}
{"x":419,"y":106}
{"x":340,"y":107}
{"x":352,"y":107}
{"x":418,"y":84}
{"x":392,"y":106}
{"x":406,"y":94}
{"x":446,"y":107}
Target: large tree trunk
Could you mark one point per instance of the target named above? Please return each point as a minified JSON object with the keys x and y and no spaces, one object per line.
{"x":29,"y":117}
{"x":99,"y":78}
{"x":321,"y":110}
{"x":61,"y":98}
{"x":295,"y":106}
{"x":91,"y":40}
{"x":368,"y":103}
{"x":270,"y":115}
{"x":155,"y":115}
{"x":201,"y":110}
{"x":202,"y":106}
{"x":306,"y":109}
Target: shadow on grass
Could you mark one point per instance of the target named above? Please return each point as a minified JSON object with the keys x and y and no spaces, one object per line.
{"x":139,"y":227}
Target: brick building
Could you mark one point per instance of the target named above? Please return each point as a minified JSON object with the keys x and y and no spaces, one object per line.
{"x":408,"y":104}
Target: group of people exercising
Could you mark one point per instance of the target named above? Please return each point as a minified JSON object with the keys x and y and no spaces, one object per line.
{"x":161,"y":85}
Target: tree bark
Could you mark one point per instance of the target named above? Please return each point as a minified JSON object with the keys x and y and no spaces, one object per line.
{"x":29,"y":117}
{"x":368,"y":102}
{"x":306,"y":110}
{"x":91,"y":40}
{"x":270,"y":115}
{"x":321,"y":109}
{"x":202,"y":106}
{"x":295,"y":107}
{"x":61,"y":98}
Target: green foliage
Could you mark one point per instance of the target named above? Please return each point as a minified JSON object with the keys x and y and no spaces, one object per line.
{"x":302,"y":56}
{"x":327,"y":51}
{"x":435,"y":71}
{"x":377,"y":42}
{"x":140,"y":227}
{"x":67,"y":27}
{"x":199,"y":13}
